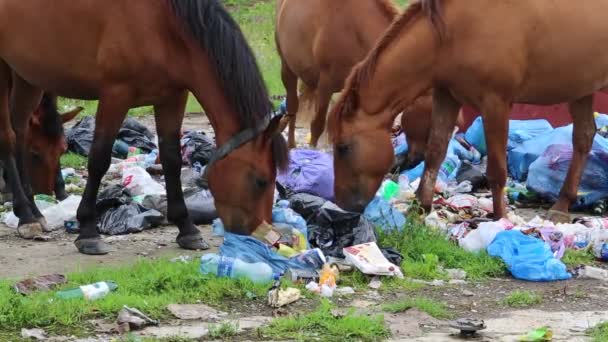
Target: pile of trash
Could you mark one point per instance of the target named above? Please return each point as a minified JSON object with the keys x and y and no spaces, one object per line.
{"x":132,"y":197}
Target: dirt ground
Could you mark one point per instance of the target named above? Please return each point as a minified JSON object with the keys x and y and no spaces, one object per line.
{"x":569,"y":307}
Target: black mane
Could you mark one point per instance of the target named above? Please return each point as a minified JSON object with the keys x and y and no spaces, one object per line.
{"x":236,"y":67}
{"x":50,"y":119}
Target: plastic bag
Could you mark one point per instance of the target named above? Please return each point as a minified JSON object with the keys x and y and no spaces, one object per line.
{"x":199,"y":202}
{"x":283,"y":214}
{"x":306,"y":205}
{"x":527,"y":258}
{"x":55,"y":215}
{"x":309,"y":171}
{"x":369,"y":260}
{"x":599,"y":241}
{"x":135,"y":134}
{"x":197,"y":147}
{"x":252,"y":250}
{"x":471,"y":173}
{"x":476,"y":136}
{"x":80,"y":137}
{"x":548,"y":173}
{"x":139,"y":182}
{"x":383,"y":215}
{"x":127,"y":219}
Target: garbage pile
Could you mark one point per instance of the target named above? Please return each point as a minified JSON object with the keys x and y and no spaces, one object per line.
{"x":133,"y":196}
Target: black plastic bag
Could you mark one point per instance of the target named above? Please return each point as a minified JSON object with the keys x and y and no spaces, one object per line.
{"x":334,"y":229}
{"x":111,"y":197}
{"x":198,"y":148}
{"x":137,"y":135}
{"x":306,"y":205}
{"x":80,"y":137}
{"x":470,"y":172}
{"x":128,"y":218}
{"x":200,"y":204}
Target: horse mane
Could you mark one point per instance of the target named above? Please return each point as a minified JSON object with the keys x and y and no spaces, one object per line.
{"x":221,"y":38}
{"x":50,"y":119}
{"x":388,"y":8}
{"x":363,"y":71}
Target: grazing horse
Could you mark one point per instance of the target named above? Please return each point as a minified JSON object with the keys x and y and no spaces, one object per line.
{"x":319,"y":41}
{"x":45,"y":143}
{"x":134,"y":53}
{"x":485,"y":54}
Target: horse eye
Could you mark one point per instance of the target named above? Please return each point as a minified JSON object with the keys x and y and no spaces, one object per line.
{"x":343,"y":150}
{"x":261,"y":183}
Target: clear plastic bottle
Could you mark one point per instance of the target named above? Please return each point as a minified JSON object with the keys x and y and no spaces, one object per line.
{"x":89,"y":292}
{"x":223,"y":266}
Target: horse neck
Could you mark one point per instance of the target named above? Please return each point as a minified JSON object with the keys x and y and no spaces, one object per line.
{"x":403,"y":70}
{"x":371,"y":23}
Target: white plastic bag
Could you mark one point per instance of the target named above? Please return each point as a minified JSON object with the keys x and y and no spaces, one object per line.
{"x":139,"y":182}
{"x":368,"y":259}
{"x":472,"y":242}
{"x":55,"y":215}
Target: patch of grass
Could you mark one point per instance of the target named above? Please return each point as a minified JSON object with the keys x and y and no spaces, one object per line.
{"x":148,"y":285}
{"x":522,"y":299}
{"x":321,"y":324}
{"x":222,"y":331}
{"x":573,"y":258}
{"x":73,"y":160}
{"x":599,"y":333}
{"x":423,"y":248}
{"x":431,"y":307}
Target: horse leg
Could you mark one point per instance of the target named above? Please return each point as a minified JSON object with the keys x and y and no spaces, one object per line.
{"x":323,"y":96}
{"x":496,"y":128}
{"x":445,"y":112}
{"x":290,"y":82}
{"x":28,"y":227}
{"x":582,"y":139}
{"x":111,"y":111}
{"x":169,"y":116}
{"x":60,"y":193}
{"x":23,"y":102}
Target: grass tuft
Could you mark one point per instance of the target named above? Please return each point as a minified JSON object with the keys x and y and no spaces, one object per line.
{"x":321,"y":324}
{"x":73,"y":160}
{"x":522,"y":299}
{"x":431,"y":307}
{"x":599,"y":333}
{"x":573,"y":258}
{"x":222,"y":331}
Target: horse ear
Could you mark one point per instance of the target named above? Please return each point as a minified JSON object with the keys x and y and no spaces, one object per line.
{"x":274,"y":126}
{"x":66,"y":117}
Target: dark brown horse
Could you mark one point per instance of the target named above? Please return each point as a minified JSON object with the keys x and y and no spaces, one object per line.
{"x":319,"y":42}
{"x":486,"y":54}
{"x":134,"y":53}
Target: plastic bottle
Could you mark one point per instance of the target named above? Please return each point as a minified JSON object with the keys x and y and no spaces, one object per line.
{"x":120,"y":149}
{"x":133,"y":151}
{"x":223,"y":266}
{"x":151,"y":158}
{"x":449,"y":168}
{"x":89,"y":292}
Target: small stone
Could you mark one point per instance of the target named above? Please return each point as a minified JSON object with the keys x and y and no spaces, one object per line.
{"x":468,"y":293}
{"x":457,"y":282}
{"x":437,"y":282}
{"x":37,"y":334}
{"x":344,"y":291}
{"x":375,"y":284}
{"x":456,"y":273}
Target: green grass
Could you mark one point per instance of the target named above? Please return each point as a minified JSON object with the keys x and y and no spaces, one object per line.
{"x":222,"y":331}
{"x":73,"y":160}
{"x":599,"y":333}
{"x":321,"y":324}
{"x":573,"y":258}
{"x":522,"y":299}
{"x":431,"y":307}
{"x":148,"y":285}
{"x":424,"y":248}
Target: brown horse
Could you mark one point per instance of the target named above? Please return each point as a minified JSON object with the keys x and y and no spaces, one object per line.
{"x":319,"y":42}
{"x":45,"y":143}
{"x":134,"y":53}
{"x":486,"y":54}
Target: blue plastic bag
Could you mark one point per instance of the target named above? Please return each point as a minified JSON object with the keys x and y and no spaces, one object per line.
{"x":309,"y":171}
{"x":414,"y":173}
{"x":252,"y":250}
{"x":383,"y":215}
{"x":400,"y":144}
{"x":527,"y":258}
{"x":476,"y":137}
{"x":283,"y":214}
{"x":548,"y":173}
{"x":447,"y":172}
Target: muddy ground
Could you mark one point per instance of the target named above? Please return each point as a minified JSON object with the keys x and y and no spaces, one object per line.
{"x":568,"y":307}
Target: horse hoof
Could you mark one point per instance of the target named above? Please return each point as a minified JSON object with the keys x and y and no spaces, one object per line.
{"x":192,"y":241}
{"x":556,"y":216}
{"x":44,"y":224}
{"x":92,"y":246}
{"x":30,"y":231}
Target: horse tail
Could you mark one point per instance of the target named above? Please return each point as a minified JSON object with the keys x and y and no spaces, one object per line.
{"x":210,"y":24}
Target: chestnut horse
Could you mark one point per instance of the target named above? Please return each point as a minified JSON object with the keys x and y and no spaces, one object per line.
{"x":319,"y":41}
{"x":486,"y":54}
{"x":45,"y":143}
{"x":134,"y":53}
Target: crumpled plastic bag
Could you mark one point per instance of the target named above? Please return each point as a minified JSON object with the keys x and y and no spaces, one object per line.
{"x":139,"y":182}
{"x":127,"y":219}
{"x":527,"y":258}
{"x":80,"y":136}
{"x":199,"y":202}
{"x":309,"y":171}
{"x":135,"y":134}
{"x":197,"y":147}
{"x":383,"y":215}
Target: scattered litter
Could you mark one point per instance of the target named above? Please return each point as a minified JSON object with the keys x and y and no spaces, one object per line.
{"x":55,"y":215}
{"x":369,"y":259}
{"x":182,"y":258}
{"x":538,"y":335}
{"x":42,"y":283}
{"x":36,"y":334}
{"x":591,"y":272}
{"x":89,"y":292}
{"x":130,"y":319}
{"x":468,"y":326}
{"x":278,"y":297}
{"x":139,"y":182}
{"x":301,"y":276}
{"x":224,"y":266}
